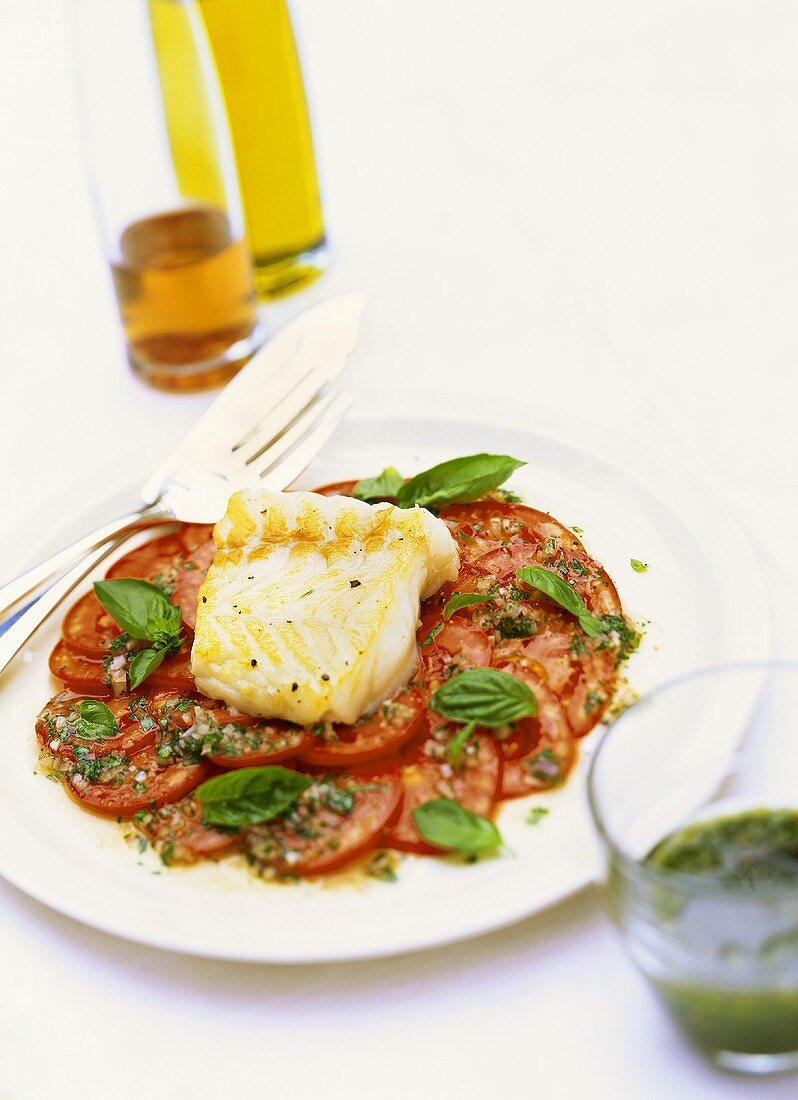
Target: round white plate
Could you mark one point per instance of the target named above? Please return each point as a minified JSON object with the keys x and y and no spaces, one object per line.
{"x":702,"y":595}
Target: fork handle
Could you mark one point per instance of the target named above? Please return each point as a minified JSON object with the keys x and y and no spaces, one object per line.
{"x":24,"y":625}
{"x":16,"y":595}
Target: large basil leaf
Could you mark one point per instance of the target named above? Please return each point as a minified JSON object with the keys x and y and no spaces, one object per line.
{"x":457,"y":481}
{"x":486,"y":696}
{"x":95,"y":721}
{"x":562,"y":593}
{"x":387,"y":484}
{"x":141,"y":609}
{"x":447,"y":824}
{"x":248,"y":796}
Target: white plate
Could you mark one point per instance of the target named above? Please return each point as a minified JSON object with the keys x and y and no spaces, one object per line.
{"x":702,"y":595}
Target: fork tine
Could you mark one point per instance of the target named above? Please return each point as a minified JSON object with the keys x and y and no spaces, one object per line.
{"x":285,"y":406}
{"x":288,"y":387}
{"x":271,"y":449}
{"x":272,"y":427}
{"x":316,"y":343}
{"x":274,"y":450}
{"x":283,"y":473}
{"x":264,"y":391}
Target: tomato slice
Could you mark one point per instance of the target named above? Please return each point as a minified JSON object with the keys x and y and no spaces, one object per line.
{"x":562,"y":551}
{"x":592,"y":693}
{"x":241,"y":741}
{"x":338,"y":488}
{"x":581,"y":675}
{"x":83,"y":674}
{"x":522,"y":739}
{"x":335,"y":820}
{"x":175,"y":561}
{"x":120,"y":786}
{"x":489,"y":526}
{"x":179,"y":835}
{"x":174,"y":673}
{"x":466,"y":641}
{"x":474,"y":784}
{"x":195,"y":535}
{"x":190,"y":576}
{"x":502,"y":563}
{"x":189,"y":727}
{"x":497,"y":521}
{"x":446,"y":648}
{"x":151,"y":559}
{"x":57,"y":733}
{"x":173,"y":710}
{"x":160,"y":560}
{"x":549,"y":651}
{"x":551,"y":757}
{"x":177,"y":739}
{"x":486,"y":525}
{"x":391,"y":726}
{"x":88,"y":628}
{"x":528,"y":628}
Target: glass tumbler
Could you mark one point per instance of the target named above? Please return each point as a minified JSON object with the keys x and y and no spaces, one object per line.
{"x":180,"y":264}
{"x":694,"y":794}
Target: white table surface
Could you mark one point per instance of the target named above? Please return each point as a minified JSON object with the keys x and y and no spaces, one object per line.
{"x":593,"y":205}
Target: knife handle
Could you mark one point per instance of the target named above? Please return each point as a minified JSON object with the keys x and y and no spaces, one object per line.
{"x":17,"y":595}
{"x":15,"y":633}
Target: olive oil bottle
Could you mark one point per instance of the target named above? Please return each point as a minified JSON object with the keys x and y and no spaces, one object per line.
{"x":178,"y":254}
{"x":253,"y":47}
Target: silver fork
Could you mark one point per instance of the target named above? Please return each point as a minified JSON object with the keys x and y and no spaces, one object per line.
{"x":265,"y":427}
{"x":309,"y":432}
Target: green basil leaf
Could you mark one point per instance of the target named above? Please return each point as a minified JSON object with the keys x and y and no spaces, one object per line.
{"x":486,"y":696}
{"x":95,"y":721}
{"x":454,"y":750}
{"x":464,"y":599}
{"x":562,"y":593}
{"x":247,"y":796}
{"x":458,"y":480}
{"x":447,"y":824}
{"x":386,"y":484}
{"x":166,"y":626}
{"x":638,"y":566}
{"x":145,"y":662}
{"x":141,"y":609}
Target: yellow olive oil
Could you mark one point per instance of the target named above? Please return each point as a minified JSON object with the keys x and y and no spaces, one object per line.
{"x":253,"y":47}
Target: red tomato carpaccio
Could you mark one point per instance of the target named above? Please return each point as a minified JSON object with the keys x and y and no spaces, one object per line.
{"x":143,"y":759}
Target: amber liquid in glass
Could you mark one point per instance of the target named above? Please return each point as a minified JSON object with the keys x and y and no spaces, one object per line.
{"x":184,"y":289}
{"x":256,"y":58}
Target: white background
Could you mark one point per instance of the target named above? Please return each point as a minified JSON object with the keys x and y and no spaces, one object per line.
{"x":592,"y":204}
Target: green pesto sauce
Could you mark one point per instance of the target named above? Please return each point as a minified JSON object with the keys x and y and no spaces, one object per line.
{"x":746,"y":1021}
{"x":749,"y":849}
{"x":745,"y":854}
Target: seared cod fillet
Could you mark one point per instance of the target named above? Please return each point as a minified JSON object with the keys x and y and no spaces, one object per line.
{"x":310,"y":608}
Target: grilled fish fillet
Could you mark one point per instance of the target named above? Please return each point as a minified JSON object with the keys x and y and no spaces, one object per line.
{"x":310,"y":608}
